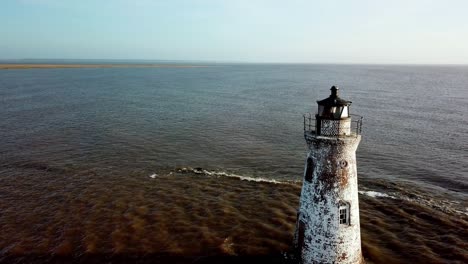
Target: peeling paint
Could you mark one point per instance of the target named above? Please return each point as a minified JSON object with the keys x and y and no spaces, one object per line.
{"x":319,"y":237}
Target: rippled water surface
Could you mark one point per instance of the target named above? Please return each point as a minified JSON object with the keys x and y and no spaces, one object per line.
{"x":97,"y":164}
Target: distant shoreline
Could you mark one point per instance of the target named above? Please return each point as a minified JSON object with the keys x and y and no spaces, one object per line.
{"x":14,"y":66}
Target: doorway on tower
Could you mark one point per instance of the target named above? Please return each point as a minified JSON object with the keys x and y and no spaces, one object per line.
{"x":309,"y":170}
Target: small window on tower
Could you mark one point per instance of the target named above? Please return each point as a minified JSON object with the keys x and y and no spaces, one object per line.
{"x":344,"y":214}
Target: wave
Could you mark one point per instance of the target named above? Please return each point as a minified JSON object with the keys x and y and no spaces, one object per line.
{"x":444,"y":205}
{"x":232,"y":175}
{"x":404,"y":193}
{"x":375,"y":194}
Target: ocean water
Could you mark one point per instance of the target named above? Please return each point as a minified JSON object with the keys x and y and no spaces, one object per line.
{"x":153,"y":164}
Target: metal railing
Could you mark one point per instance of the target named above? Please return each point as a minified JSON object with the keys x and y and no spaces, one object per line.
{"x":355,"y":126}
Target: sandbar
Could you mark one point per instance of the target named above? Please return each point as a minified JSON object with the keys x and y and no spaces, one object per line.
{"x":56,"y":66}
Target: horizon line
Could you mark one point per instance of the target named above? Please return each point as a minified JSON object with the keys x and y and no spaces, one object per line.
{"x":237,"y":62}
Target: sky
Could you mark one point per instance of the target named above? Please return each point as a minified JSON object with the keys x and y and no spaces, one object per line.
{"x":280,"y":31}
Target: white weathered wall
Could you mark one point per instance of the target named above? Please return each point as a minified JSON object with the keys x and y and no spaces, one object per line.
{"x":320,"y":238}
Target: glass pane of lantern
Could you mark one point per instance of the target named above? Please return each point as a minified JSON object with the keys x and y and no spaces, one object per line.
{"x":320,"y":110}
{"x":345,"y":112}
{"x":337,"y":112}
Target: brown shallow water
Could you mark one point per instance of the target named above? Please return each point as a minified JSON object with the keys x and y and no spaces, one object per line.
{"x":63,"y":214}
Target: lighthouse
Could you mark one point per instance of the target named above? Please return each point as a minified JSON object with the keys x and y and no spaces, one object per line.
{"x":327,"y":227}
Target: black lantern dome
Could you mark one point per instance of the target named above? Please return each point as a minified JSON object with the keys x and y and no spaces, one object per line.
{"x":333,"y":107}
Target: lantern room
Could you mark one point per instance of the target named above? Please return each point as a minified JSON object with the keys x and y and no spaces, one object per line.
{"x":333,"y":107}
{"x":333,"y":117}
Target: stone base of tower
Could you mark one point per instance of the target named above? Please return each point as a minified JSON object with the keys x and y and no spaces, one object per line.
{"x":328,"y":228}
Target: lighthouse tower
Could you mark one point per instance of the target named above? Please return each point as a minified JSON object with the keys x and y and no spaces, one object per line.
{"x":327,"y":228}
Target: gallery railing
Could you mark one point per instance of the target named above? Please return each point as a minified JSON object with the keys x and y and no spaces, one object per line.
{"x":333,"y":127}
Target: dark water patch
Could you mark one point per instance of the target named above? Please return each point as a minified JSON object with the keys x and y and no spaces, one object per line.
{"x":146,"y":258}
{"x":32,"y":165}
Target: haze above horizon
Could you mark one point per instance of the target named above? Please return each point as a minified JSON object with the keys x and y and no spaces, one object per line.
{"x":296,"y":31}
